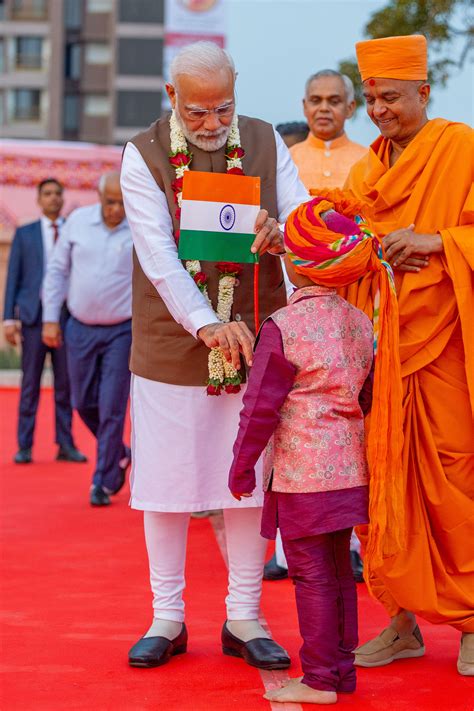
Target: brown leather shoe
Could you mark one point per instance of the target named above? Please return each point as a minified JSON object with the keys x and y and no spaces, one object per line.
{"x":388,"y":647}
{"x":466,"y":654}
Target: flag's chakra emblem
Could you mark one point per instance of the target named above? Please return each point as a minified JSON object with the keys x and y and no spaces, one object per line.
{"x":227,"y":217}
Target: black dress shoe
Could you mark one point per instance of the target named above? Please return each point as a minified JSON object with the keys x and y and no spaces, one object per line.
{"x":70,"y":454}
{"x":273,"y":571}
{"x":23,"y":456}
{"x":99,"y":497}
{"x":259,"y":652}
{"x":357,"y":567}
{"x":123,"y":466}
{"x":155,"y":651}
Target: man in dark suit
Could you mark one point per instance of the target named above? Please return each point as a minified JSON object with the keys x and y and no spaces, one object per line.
{"x":31,"y":248}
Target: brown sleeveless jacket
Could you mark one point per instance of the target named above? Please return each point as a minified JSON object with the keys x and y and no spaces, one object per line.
{"x":162,"y":349}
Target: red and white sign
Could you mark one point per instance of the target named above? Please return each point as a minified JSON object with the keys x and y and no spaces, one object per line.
{"x":188,"y":21}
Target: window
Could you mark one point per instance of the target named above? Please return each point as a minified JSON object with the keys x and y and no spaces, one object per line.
{"x":138,"y":108}
{"x":73,"y":14}
{"x":2,"y":10}
{"x":71,"y":116}
{"x":2,"y":55}
{"x":28,"y":53}
{"x":26,"y":104}
{"x":72,"y":63}
{"x":100,"y":6}
{"x":97,"y":105}
{"x":140,"y":57}
{"x":98,"y":53}
{"x":29,"y":9}
{"x":141,"y":11}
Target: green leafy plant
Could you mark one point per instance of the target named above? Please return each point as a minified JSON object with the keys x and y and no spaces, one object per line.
{"x":448,"y":25}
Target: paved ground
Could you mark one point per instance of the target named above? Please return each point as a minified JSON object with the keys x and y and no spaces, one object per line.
{"x":12,"y":378}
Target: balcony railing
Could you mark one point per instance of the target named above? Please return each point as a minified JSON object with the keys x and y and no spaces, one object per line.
{"x":26,"y":105}
{"x":26,"y":113}
{"x":28,"y":61}
{"x":29,"y":10}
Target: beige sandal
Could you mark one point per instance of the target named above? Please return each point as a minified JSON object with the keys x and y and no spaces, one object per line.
{"x":466,"y":654}
{"x":388,"y":647}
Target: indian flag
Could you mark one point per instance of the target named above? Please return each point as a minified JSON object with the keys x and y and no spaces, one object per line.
{"x":218,"y":214}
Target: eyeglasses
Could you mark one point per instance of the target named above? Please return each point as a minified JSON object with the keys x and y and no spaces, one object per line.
{"x":220,"y":111}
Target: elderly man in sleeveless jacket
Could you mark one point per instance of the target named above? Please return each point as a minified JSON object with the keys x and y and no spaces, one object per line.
{"x":182,"y":439}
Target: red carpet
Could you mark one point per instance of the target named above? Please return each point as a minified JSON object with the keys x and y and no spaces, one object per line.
{"x":74,"y":597}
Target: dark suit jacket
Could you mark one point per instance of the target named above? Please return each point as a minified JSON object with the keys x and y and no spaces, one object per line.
{"x":25,"y":275}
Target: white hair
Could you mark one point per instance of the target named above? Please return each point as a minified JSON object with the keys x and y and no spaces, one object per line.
{"x":199,"y":60}
{"x":347,"y":81}
{"x":104,"y":179}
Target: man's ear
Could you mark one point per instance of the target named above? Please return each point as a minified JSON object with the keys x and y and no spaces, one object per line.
{"x":351,"y":107}
{"x":424,"y":93}
{"x":171,"y":91}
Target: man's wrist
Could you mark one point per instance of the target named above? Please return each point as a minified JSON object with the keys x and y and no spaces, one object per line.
{"x":50,"y":315}
{"x":200,"y":330}
{"x":437,"y":241}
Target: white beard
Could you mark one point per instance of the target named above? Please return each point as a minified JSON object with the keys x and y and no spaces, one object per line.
{"x":209,"y":141}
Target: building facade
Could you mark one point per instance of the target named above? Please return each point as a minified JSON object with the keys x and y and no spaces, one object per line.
{"x":87,"y":70}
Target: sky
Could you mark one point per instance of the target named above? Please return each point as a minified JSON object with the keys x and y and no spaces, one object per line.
{"x":277,"y":44}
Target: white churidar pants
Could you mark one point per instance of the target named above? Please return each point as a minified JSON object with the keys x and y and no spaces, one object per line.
{"x":166,"y":537}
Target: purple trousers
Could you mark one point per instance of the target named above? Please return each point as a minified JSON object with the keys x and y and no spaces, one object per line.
{"x":326,"y":600}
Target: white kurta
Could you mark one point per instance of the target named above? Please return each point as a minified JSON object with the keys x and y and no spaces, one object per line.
{"x":181,"y":438}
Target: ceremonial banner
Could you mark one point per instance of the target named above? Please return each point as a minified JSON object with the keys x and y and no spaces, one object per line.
{"x":218,"y":214}
{"x":188,"y":21}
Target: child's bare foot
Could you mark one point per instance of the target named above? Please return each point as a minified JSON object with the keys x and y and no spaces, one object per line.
{"x":295,"y":680}
{"x":297,"y":692}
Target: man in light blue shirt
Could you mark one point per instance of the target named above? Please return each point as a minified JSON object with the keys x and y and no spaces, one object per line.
{"x":92,"y":267}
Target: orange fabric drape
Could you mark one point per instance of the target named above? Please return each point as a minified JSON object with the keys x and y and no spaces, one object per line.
{"x":431,"y":185}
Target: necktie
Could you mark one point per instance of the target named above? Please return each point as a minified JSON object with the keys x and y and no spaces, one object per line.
{"x":55,"y":227}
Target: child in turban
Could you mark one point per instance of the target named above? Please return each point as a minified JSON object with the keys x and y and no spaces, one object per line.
{"x":320,"y":364}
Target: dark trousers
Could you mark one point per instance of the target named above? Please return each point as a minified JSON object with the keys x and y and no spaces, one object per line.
{"x":100,"y":386}
{"x":326,"y":600}
{"x":32,"y":362}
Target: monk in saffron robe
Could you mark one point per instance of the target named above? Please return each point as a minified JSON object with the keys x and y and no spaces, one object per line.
{"x":417,"y":183}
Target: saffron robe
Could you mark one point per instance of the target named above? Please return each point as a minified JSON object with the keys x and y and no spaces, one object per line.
{"x":431,"y":185}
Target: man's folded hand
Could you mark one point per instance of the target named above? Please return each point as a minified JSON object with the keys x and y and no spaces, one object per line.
{"x":233,"y":338}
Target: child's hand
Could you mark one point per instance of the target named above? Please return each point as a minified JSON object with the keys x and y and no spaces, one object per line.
{"x":239,"y":496}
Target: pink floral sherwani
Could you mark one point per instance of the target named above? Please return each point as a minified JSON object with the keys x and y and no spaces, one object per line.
{"x":304,"y":398}
{"x":318,"y":444}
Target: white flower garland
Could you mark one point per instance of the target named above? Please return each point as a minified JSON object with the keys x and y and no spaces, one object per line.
{"x":222,"y":374}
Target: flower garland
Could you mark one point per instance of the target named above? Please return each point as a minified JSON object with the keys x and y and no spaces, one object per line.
{"x":222,"y":374}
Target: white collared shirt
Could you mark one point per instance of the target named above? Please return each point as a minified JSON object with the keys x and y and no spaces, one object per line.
{"x":47,"y":233}
{"x":91,"y":265}
{"x":152,"y":229}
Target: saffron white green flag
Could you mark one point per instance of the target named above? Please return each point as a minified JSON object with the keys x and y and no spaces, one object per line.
{"x":218,"y":214}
